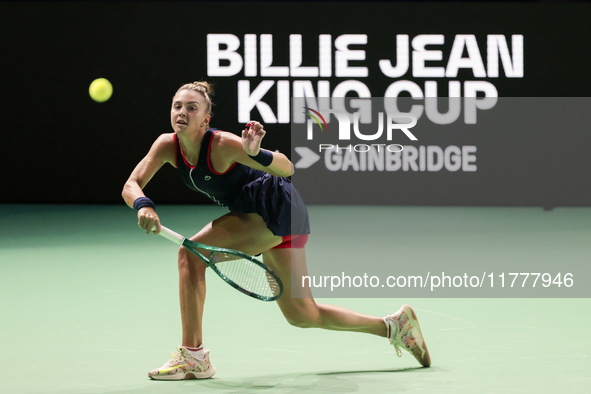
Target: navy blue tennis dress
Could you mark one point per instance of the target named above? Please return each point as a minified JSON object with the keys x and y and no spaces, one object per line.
{"x":244,"y":189}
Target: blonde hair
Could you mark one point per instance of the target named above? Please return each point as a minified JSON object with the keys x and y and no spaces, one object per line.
{"x":202,"y":87}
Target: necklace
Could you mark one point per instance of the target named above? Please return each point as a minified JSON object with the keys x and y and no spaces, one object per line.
{"x":185,"y":156}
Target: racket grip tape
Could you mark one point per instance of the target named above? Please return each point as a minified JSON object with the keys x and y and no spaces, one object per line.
{"x":170,"y":235}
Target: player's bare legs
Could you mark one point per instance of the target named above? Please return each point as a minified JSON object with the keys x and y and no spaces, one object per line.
{"x":192,"y":296}
{"x":401,"y":328}
{"x":245,"y":232}
{"x":248,"y":233}
{"x":305,"y":312}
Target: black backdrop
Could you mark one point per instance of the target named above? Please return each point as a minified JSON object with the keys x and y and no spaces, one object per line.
{"x":58,"y":146}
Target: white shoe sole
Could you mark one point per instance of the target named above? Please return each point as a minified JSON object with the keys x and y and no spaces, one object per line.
{"x":186,"y":375}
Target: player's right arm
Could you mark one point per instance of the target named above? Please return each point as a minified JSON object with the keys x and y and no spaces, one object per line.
{"x":162,"y":151}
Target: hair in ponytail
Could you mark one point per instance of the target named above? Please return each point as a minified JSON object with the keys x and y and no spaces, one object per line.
{"x":202,"y":87}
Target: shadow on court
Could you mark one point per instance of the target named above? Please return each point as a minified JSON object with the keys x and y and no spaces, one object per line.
{"x":390,"y":380}
{"x":323,"y":382}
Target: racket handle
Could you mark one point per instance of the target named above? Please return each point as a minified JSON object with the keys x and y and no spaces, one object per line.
{"x":170,"y":235}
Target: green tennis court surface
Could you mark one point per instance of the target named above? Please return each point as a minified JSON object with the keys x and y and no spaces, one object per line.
{"x":90,"y":305}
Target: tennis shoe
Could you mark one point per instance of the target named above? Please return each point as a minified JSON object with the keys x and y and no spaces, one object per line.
{"x":404,"y":332}
{"x":183,"y":365}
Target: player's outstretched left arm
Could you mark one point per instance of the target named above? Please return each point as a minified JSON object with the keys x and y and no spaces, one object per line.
{"x":249,"y":152}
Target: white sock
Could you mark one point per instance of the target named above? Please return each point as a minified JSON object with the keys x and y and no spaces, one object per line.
{"x":197,"y":352}
{"x":391,"y":327}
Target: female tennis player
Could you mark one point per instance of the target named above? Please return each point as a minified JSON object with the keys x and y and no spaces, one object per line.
{"x":251,"y":182}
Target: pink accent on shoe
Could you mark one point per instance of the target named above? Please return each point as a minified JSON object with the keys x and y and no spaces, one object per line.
{"x":184,"y":366}
{"x":408,"y":335}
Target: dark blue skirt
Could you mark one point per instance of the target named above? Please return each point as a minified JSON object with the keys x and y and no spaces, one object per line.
{"x":278,"y":203}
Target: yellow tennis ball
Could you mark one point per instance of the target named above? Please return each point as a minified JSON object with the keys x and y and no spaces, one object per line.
{"x":100,"y":90}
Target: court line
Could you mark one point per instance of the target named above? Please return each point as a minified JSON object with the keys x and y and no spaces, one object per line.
{"x":451,"y":317}
{"x":540,"y":328}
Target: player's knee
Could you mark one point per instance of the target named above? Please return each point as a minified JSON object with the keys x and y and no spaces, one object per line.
{"x":302,"y":321}
{"x":299,"y":322}
{"x":188,"y":263}
{"x":183,"y":259}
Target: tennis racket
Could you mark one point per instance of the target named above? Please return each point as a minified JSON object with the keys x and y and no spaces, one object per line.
{"x":239,"y":270}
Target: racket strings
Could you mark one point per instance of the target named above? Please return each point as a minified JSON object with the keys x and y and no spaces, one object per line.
{"x":246,"y":274}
